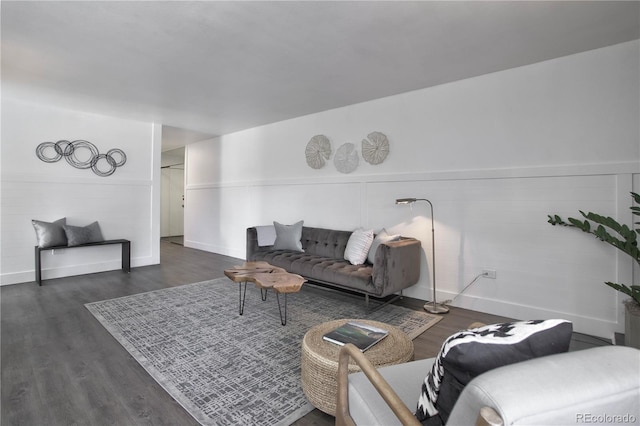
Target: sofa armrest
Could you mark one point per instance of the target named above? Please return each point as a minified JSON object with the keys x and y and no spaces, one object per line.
{"x":566,"y":388}
{"x":252,"y":242}
{"x":396,"y":266}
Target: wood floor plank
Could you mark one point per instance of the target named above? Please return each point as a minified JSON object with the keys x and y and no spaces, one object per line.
{"x":61,"y":367}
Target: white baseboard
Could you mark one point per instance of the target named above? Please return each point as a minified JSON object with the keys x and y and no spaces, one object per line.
{"x":69,"y":271}
{"x":225,"y":251}
{"x":588,"y":325}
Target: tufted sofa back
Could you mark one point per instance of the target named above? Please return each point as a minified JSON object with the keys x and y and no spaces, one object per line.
{"x":325,"y":242}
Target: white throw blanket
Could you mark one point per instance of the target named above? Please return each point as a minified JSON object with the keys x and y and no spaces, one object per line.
{"x":266,"y":235}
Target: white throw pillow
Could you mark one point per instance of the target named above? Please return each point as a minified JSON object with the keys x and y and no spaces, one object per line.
{"x":358,"y":246}
{"x":382,"y":237}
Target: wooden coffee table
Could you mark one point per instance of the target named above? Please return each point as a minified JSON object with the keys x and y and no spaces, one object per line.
{"x":320,"y":360}
{"x":265,"y":277}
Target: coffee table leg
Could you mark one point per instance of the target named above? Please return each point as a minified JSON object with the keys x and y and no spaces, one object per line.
{"x":283,"y":319}
{"x":263,"y":293}
{"x":242,"y":296}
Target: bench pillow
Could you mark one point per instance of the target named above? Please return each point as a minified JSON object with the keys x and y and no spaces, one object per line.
{"x":469,"y":353}
{"x":50,"y":234}
{"x":78,"y":235}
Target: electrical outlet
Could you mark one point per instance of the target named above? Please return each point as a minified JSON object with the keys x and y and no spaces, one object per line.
{"x":489,"y":273}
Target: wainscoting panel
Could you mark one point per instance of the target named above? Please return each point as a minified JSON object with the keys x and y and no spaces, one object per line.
{"x":493,"y":223}
{"x":119,"y":209}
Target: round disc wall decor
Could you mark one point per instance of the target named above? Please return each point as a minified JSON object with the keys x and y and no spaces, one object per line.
{"x":82,"y":154}
{"x":375,"y":148}
{"x":346,"y":159}
{"x":318,"y":150}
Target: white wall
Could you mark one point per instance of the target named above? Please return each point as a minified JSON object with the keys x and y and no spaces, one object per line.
{"x":495,"y":154}
{"x":126,"y":204}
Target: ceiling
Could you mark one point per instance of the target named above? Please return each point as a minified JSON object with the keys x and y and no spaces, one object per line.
{"x":214,"y":67}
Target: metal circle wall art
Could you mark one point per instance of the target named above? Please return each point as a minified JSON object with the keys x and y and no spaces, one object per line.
{"x":318,"y":150}
{"x":346,"y":159}
{"x":82,"y":154}
{"x":375,"y":148}
{"x":42,"y":151}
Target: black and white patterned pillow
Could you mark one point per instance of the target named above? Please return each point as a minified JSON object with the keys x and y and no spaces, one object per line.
{"x":469,"y":353}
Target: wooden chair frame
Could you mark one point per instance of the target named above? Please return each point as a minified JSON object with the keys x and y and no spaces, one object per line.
{"x":343,"y":417}
{"x":487,"y":416}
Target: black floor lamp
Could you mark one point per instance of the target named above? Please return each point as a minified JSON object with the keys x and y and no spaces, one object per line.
{"x":432,"y":307}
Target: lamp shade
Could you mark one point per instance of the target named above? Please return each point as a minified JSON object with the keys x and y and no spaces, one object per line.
{"x":405,"y":200}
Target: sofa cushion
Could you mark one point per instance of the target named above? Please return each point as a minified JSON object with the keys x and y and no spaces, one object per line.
{"x":367,"y":407}
{"x":50,"y":234}
{"x":288,"y":236}
{"x":469,"y":353}
{"x":320,"y":268}
{"x":358,"y":246}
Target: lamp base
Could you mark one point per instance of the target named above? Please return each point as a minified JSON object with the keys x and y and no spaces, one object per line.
{"x":435,"y":308}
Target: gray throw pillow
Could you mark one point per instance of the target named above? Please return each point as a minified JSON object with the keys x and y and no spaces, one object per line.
{"x":78,"y":235}
{"x":382,"y":237}
{"x":50,"y":234}
{"x":288,"y":236}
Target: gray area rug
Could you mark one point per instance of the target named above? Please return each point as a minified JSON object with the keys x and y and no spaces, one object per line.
{"x":227,"y":369}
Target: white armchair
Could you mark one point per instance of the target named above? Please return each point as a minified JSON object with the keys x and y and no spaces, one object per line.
{"x":597,"y":385}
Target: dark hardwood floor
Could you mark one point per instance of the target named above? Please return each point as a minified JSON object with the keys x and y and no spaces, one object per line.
{"x":61,"y":367}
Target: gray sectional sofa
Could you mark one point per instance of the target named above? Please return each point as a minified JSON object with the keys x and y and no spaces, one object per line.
{"x":396,"y":264}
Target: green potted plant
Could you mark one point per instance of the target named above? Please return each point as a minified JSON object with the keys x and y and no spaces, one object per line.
{"x":625,"y":239}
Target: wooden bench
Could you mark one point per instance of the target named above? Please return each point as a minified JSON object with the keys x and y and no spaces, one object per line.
{"x":126,"y":254}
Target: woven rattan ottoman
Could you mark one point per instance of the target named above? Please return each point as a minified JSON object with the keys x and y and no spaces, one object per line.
{"x":320,"y":360}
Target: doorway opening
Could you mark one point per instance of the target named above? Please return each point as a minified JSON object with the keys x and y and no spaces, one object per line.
{"x":172,"y":196}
